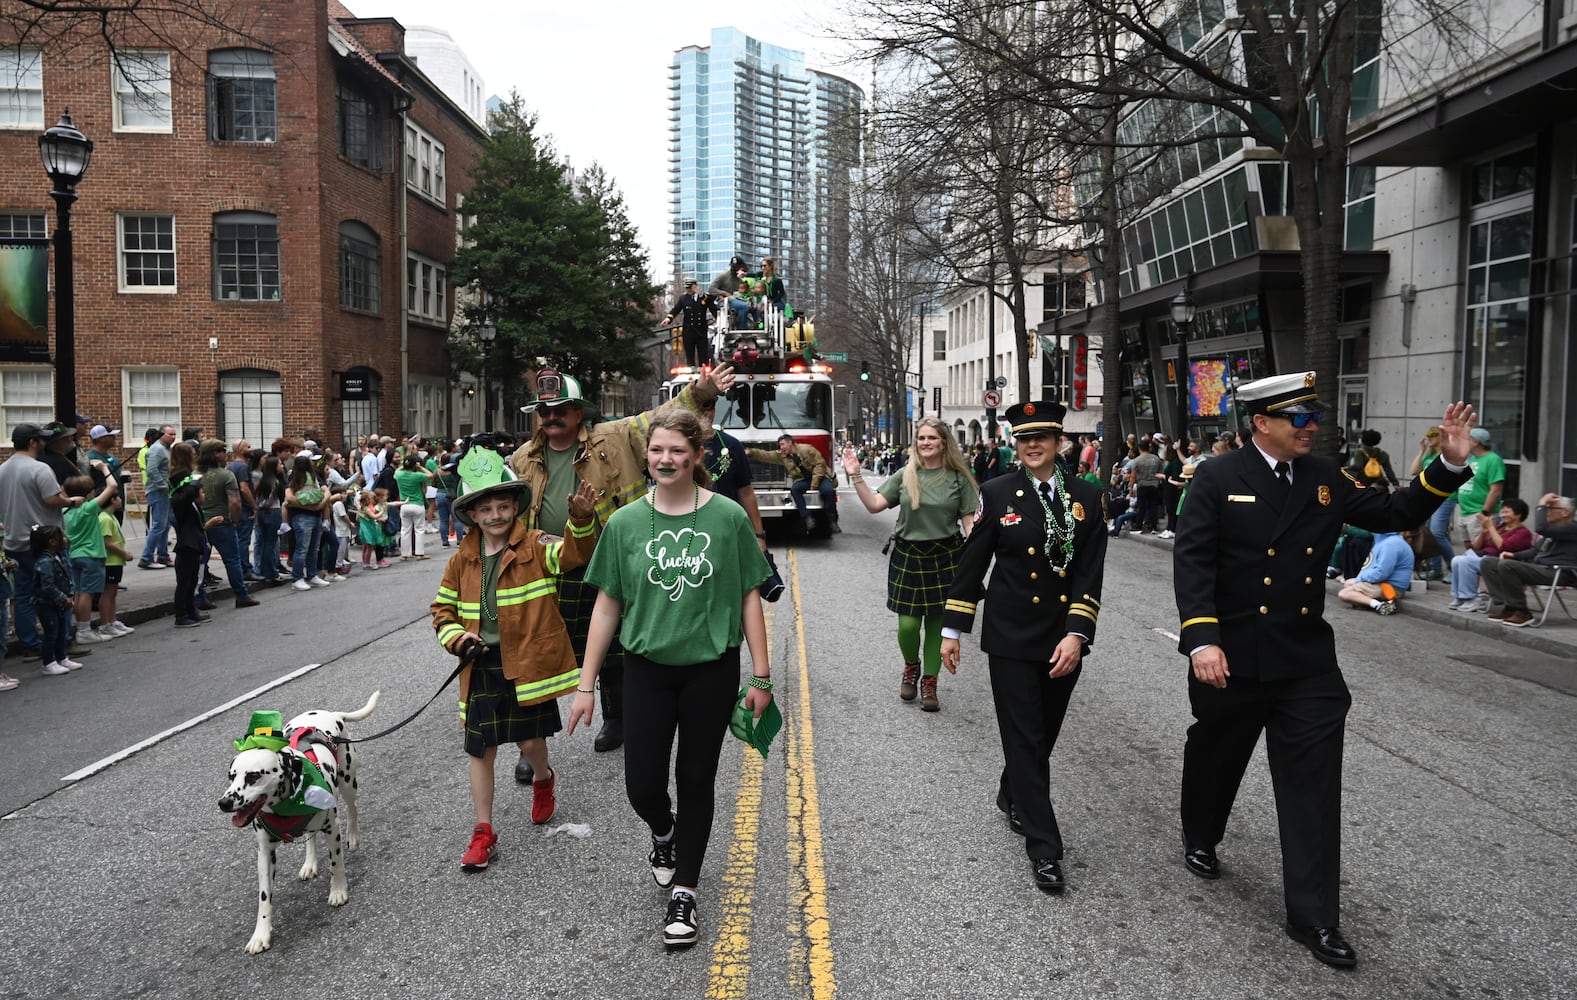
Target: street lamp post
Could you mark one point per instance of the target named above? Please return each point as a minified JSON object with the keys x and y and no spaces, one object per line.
{"x":486,"y":333}
{"x":1183,"y":319}
{"x":65,"y":152}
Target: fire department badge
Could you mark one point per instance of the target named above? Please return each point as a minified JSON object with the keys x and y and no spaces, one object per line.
{"x":1325,"y":496}
{"x":1308,"y":380}
{"x":1078,"y":511}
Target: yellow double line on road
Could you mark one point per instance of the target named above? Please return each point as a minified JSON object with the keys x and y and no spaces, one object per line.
{"x":810,"y":928}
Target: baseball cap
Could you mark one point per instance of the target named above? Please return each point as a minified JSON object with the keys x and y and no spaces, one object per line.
{"x":1480,"y":434}
{"x":21,"y":434}
{"x":100,"y":431}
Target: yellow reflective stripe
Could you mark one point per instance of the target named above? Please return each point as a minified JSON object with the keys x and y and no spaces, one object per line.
{"x":1430,"y":488}
{"x":553,"y":685}
{"x":550,"y":557}
{"x":462,"y":713}
{"x":452,"y":595}
{"x":449,"y":631}
{"x":576,"y":531}
{"x":1202,"y":621}
{"x":955,"y":605}
{"x":541,"y":588}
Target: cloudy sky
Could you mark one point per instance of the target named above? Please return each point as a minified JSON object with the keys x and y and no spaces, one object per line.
{"x":596,"y":72}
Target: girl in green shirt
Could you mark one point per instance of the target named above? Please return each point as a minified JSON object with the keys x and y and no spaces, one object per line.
{"x":682,"y":571}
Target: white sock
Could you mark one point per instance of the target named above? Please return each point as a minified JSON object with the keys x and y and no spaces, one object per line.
{"x":1374,"y":604}
{"x":663,"y":840}
{"x":688,"y":892}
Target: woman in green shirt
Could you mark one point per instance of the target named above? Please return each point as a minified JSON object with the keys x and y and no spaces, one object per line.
{"x":682,"y":572}
{"x":412,"y":480}
{"x":936,"y":496}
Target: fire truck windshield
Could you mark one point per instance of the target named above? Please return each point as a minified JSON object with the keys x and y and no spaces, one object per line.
{"x":777,"y":406}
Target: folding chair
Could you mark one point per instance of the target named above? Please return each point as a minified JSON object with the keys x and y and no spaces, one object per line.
{"x":1570,"y":574}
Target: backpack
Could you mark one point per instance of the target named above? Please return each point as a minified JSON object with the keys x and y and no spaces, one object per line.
{"x":1372,"y":469}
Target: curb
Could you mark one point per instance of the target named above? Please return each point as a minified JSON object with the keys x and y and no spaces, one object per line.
{"x":1527,"y":638}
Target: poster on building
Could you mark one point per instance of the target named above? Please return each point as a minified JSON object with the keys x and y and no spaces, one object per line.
{"x":24,"y":300}
{"x":1207,"y":385}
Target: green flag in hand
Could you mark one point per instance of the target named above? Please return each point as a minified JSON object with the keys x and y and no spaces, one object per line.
{"x":753,"y":731}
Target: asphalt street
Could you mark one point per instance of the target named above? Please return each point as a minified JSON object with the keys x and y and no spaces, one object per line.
{"x":864,"y":858}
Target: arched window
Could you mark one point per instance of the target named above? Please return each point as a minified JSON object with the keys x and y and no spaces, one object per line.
{"x":251,"y":405}
{"x":360,"y":268}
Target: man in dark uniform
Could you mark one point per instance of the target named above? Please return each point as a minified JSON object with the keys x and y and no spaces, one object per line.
{"x":1249,"y":571}
{"x":1047,"y":533}
{"x":694,"y":314}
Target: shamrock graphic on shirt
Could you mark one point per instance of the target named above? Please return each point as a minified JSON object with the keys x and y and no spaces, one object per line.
{"x":673,"y":567}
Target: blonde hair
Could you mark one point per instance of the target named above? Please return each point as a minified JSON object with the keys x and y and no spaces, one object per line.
{"x":952,"y":458}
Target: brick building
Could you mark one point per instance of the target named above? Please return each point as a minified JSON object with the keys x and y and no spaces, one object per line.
{"x":262,"y":236}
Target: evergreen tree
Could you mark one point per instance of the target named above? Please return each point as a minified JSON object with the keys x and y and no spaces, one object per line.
{"x":556,"y":264}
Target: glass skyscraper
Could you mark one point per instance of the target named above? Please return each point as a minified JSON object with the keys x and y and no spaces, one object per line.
{"x":760,"y":154}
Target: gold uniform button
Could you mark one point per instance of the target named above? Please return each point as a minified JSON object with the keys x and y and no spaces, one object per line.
{"x":1308,"y":579}
{"x":1267,"y":581}
{"x":1062,"y":572}
{"x":1035,"y":576}
{"x":1264,"y":610}
{"x":1065,"y":598}
{"x":1032,"y":550}
{"x":1019,"y":493}
{"x":1270,"y":552}
{"x":1308,"y":552}
{"x":1035,"y":599}
{"x":1303,"y":611}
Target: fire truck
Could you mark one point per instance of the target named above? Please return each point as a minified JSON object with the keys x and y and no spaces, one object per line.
{"x":780,"y":387}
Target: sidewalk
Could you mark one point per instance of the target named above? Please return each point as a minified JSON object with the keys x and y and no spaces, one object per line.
{"x":1558,"y":636}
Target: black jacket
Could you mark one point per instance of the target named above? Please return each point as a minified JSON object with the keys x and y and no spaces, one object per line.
{"x":1030,"y":607}
{"x":1249,"y":563}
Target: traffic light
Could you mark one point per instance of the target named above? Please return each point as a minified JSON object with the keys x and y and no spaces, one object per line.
{"x":865,"y":371}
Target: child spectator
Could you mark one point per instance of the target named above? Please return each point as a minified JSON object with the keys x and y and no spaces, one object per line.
{"x":52,"y":597}
{"x":344,"y":531}
{"x":369,"y":528}
{"x":115,"y":556}
{"x":86,"y":543}
{"x":1384,"y":578}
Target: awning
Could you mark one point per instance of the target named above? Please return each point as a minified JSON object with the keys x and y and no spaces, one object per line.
{"x":1263,"y":270}
{"x":1501,"y":109}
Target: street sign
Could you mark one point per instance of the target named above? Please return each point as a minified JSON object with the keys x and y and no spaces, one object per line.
{"x":834,"y":356}
{"x":993,"y":399}
{"x":1002,"y":381}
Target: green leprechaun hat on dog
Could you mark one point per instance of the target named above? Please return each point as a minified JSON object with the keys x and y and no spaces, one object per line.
{"x":266,"y":731}
{"x":483,"y":474}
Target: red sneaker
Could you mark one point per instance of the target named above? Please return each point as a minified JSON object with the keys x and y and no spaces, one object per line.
{"x":542,"y":800}
{"x":484,"y":848}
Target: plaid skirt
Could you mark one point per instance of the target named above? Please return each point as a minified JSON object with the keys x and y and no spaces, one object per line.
{"x":494,"y":717}
{"x":577,"y":598}
{"x":919,"y":574}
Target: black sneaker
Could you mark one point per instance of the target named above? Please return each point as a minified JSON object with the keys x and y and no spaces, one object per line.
{"x":680,"y":929}
{"x":663,"y":864}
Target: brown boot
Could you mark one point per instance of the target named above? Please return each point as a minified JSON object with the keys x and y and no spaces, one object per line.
{"x":911,"y":674}
{"x":928,"y":700}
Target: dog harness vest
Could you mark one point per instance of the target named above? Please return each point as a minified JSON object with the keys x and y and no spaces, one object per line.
{"x":289,"y":818}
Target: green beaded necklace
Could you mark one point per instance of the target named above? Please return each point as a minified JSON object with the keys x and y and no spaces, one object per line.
{"x":684,"y":556}
{"x":1059,"y":534}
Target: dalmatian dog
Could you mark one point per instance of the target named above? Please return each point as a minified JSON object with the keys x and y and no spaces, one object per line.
{"x":292,"y":793}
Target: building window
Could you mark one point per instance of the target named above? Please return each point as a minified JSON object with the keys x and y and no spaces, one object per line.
{"x":1360,"y":208}
{"x":21,"y":226}
{"x":241,"y":99}
{"x":1500,"y":262}
{"x":938,"y":345}
{"x":27,"y":395}
{"x":359,"y":130}
{"x":424,"y":163}
{"x":147,"y":253}
{"x":142,"y":90}
{"x":426,"y":290}
{"x":360,"y":416}
{"x":360,"y":265}
{"x":1366,"y":60}
{"x":246,"y":256}
{"x":425,"y":407}
{"x":1568,"y":484}
{"x":21,"y":87}
{"x":251,"y":405}
{"x":152,"y":398}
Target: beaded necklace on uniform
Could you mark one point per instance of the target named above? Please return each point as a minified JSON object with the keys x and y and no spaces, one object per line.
{"x":723,"y":459}
{"x":1059,"y":533}
{"x":684,"y":556}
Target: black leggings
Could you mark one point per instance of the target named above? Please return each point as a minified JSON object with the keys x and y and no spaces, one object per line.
{"x":188,"y":569}
{"x":695,"y":702}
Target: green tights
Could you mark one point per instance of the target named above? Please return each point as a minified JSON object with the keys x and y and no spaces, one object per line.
{"x":909,"y":641}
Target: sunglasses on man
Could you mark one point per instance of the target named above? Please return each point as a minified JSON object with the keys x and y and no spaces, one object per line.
{"x":1302,"y":420}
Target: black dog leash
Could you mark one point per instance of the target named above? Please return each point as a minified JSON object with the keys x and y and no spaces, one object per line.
{"x":471,"y":655}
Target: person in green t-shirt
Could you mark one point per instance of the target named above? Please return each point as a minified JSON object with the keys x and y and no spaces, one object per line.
{"x":116,"y":556}
{"x":86,"y":546}
{"x":1481,"y":494}
{"x":935,"y":495}
{"x":682,"y":570}
{"x":412,"y":480}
